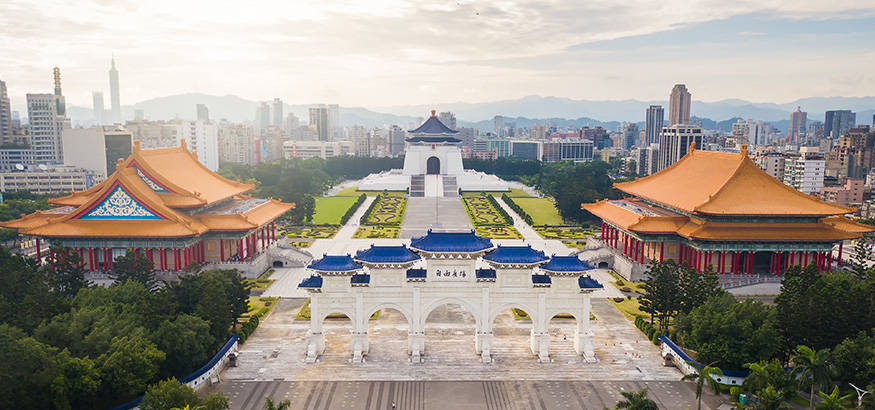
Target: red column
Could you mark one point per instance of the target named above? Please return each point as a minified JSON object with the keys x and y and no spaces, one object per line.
{"x":221,"y":250}
{"x":625,"y":246}
{"x":750,"y":263}
{"x":240,"y":246}
{"x":661,"y":251}
{"x":841,"y":245}
{"x":262,"y":237}
{"x":806,"y":258}
{"x":39,"y":253}
{"x":107,"y":259}
{"x":829,"y":262}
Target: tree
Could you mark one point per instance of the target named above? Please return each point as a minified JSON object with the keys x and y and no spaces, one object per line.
{"x":813,"y":367}
{"x":770,"y":374}
{"x":29,"y":370}
{"x":862,"y":255}
{"x":66,"y":271}
{"x":26,"y":296}
{"x":729,"y":332}
{"x":661,"y":292}
{"x":854,"y":359}
{"x":171,"y":394}
{"x":271,"y":405}
{"x":134,"y":266}
{"x":187,"y":342}
{"x":834,"y":400}
{"x":636,"y":401}
{"x":703,"y":376}
{"x":129,"y":364}
{"x":771,"y":399}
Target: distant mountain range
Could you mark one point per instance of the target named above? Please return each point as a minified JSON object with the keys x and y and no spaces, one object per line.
{"x":524,"y":111}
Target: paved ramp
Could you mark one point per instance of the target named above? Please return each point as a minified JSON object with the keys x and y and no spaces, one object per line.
{"x":434,"y":213}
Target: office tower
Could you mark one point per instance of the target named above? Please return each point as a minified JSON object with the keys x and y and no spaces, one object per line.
{"x":653,"y":124}
{"x":291,"y":125}
{"x":5,"y":115}
{"x":498,"y":125}
{"x":319,"y":122}
{"x":201,"y":138}
{"x":679,"y":106}
{"x":114,"y":103}
{"x":333,"y":116}
{"x":60,"y":101}
{"x":96,"y":149}
{"x":630,"y":133}
{"x":278,"y":113}
{"x":238,"y":145}
{"x":758,"y":133}
{"x":838,"y":123}
{"x":262,"y":116}
{"x":396,"y":140}
{"x":448,"y":119}
{"x":203,"y":113}
{"x":674,"y":143}
{"x":798,"y":120}
{"x":46,"y":128}
{"x":97,"y":106}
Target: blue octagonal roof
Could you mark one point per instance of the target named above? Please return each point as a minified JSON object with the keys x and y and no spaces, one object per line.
{"x":433,"y":126}
{"x":465,"y":242}
{"x":335,"y":264}
{"x":386,"y":254}
{"x":587,"y":282}
{"x":516,"y":254}
{"x":313,"y":282}
{"x":566,"y":264}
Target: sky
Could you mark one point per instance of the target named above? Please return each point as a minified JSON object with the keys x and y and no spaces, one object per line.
{"x":395,"y":52}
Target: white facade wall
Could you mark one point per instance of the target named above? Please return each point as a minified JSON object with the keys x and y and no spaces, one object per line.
{"x":201,"y":138}
{"x":417,"y":155}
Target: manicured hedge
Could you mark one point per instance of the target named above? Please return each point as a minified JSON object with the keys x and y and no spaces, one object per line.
{"x":352,"y":209}
{"x":518,"y":209}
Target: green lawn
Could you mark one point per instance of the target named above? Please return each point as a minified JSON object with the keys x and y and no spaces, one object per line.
{"x":378,"y":232}
{"x":630,"y":308}
{"x":513,"y":193}
{"x":481,"y":212}
{"x":356,"y":193}
{"x":541,"y":210}
{"x":330,"y":209}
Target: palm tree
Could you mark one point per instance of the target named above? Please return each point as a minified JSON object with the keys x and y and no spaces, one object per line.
{"x":833,"y":401}
{"x":270,"y":405}
{"x":702,"y":376}
{"x":771,"y":399}
{"x":814,"y":366}
{"x":637,"y":401}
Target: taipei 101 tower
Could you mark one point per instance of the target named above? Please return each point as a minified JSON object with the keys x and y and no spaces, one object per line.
{"x":113,"y":94}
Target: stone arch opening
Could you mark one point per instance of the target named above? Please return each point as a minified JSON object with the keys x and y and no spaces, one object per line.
{"x":563,"y":327}
{"x":389,"y":326}
{"x":603,"y":265}
{"x":512,"y":326}
{"x":449,"y":327}
{"x":278,"y":264}
{"x":338,"y":326}
{"x":433,"y":166}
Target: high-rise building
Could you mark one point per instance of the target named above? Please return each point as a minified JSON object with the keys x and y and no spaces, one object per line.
{"x":114,"y":102}
{"x":674,"y":143}
{"x":96,"y":149}
{"x":805,"y":173}
{"x":278,"y":113}
{"x":292,"y":124}
{"x":319,"y":122}
{"x":798,"y":120}
{"x":396,"y":140}
{"x":46,"y":127}
{"x":5,"y":115}
{"x":201,"y":138}
{"x":653,"y":124}
{"x":679,"y":106}
{"x":448,"y":119}
{"x":630,"y":134}
{"x":238,"y":144}
{"x":203,"y":113}
{"x":498,"y":124}
{"x":334,"y":116}
{"x":97,"y":106}
{"x":59,"y":96}
{"x":262,"y":116}
{"x":838,"y":123}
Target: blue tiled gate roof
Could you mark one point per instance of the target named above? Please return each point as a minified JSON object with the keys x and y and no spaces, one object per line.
{"x":465,"y":242}
{"x":331,"y":263}
{"x":386,"y":254}
{"x":516,"y":254}
{"x":566,"y":264}
{"x":433,"y":126}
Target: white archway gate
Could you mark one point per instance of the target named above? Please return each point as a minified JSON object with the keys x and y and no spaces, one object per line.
{"x":383,"y":277}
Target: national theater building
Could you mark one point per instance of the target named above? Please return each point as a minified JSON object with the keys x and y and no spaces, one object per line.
{"x":161,"y":202}
{"x":720,"y":209}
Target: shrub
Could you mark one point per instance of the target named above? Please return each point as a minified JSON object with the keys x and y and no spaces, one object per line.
{"x":620,"y":282}
{"x":734,"y":391}
{"x":625,"y":289}
{"x":655,"y":338}
{"x":349,"y":212}
{"x":618,"y":300}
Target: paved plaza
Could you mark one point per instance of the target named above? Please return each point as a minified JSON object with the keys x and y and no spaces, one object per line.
{"x":451,"y":375}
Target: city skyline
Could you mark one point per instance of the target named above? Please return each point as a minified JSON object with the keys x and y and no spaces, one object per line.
{"x":392,"y":53}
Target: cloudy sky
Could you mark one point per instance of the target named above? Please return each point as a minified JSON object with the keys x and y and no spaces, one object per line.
{"x":395,"y":52}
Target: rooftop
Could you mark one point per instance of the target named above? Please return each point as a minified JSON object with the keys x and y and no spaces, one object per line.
{"x":516,"y":255}
{"x":386,"y":254}
{"x":462,"y":242}
{"x":330,"y":263}
{"x":566,"y":264}
{"x":433,"y":126}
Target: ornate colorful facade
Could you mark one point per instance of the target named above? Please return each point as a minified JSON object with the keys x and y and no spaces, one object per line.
{"x":720,"y":209}
{"x":161,"y":202}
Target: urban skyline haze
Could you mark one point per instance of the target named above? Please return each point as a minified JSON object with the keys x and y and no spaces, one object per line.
{"x":411,"y":52}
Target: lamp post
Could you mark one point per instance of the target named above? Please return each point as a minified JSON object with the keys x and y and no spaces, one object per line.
{"x":860,"y":394}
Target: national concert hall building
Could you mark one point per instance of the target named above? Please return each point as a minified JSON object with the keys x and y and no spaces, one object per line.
{"x":720,"y":209}
{"x":164,"y":203}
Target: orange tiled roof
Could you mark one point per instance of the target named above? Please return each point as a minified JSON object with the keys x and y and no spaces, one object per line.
{"x":764,"y":232}
{"x":718,"y":183}
{"x":626,"y":217}
{"x":229,"y":218}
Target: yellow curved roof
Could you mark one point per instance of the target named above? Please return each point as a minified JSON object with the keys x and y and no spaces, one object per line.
{"x":719,"y":183}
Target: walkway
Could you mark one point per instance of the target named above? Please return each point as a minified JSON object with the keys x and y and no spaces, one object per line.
{"x":434,"y":213}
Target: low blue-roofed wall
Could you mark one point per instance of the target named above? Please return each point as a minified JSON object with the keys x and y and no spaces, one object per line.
{"x":416,"y":273}
{"x":682,"y":360}
{"x":540,"y":279}
{"x":311,"y":282}
{"x":587,"y":282}
{"x":202,"y":376}
{"x":360,"y":279}
{"x":485,"y":273}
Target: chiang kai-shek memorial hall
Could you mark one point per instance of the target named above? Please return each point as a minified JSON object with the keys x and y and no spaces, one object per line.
{"x":507,"y":277}
{"x":164,"y":203}
{"x":721,"y":210}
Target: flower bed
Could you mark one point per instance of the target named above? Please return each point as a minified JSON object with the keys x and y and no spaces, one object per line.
{"x":484,"y":212}
{"x":385,"y":210}
{"x":310,"y":232}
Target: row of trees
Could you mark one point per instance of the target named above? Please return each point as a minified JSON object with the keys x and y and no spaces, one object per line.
{"x":67,"y":345}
